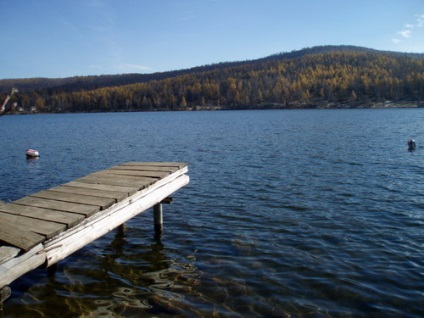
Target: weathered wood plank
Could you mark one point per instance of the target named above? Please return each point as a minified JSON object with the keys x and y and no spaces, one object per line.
{"x":138,"y":173}
{"x":105,"y":187}
{"x":15,"y":236}
{"x":51,"y":194}
{"x":83,"y":209}
{"x":115,"y":195}
{"x":125,"y":181}
{"x":167,"y":179}
{"x":168,"y":169}
{"x":124,"y":177}
{"x":48,"y":229}
{"x":69,"y":219}
{"x":179,"y":165}
{"x":145,"y":168}
{"x":7,"y":253}
{"x":16,"y":267}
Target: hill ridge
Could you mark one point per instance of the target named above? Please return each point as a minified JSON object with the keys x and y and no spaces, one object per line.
{"x":130,"y":78}
{"x":312,"y":77}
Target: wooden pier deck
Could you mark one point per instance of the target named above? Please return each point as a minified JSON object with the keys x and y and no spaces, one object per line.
{"x":44,"y":228}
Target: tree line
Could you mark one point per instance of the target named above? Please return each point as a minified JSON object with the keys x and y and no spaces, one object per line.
{"x":327,"y":78}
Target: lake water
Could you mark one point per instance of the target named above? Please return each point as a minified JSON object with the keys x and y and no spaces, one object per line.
{"x":297,"y":213}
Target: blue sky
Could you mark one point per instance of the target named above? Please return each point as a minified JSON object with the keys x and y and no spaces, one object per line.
{"x":62,"y":38}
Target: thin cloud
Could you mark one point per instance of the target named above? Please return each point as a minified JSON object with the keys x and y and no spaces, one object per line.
{"x":121,"y":68}
{"x":407,"y":33}
{"x":126,"y":67}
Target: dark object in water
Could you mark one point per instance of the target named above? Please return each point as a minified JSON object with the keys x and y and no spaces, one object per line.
{"x":411,"y":144}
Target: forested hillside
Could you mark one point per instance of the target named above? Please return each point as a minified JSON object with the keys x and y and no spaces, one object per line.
{"x":329,"y":76}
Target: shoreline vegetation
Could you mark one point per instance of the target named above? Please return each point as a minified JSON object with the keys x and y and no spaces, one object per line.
{"x":325,"y":105}
{"x":314,"y":78}
{"x":386,"y":104}
{"x":382,"y":105}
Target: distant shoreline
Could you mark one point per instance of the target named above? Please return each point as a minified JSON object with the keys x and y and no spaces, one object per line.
{"x":322,"y":105}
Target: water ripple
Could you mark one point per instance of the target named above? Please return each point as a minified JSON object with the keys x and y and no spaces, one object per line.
{"x":287,"y":214}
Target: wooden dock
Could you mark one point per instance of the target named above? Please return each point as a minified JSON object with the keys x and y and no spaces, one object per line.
{"x":44,"y":228}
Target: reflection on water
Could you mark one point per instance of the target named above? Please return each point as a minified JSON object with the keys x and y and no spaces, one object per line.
{"x":141,"y":280}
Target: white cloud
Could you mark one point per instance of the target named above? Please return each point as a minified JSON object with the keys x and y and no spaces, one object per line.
{"x":408,"y":27}
{"x":405,"y":33}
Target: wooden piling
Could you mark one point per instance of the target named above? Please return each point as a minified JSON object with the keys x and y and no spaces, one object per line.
{"x":5,"y":293}
{"x":158,"y":219}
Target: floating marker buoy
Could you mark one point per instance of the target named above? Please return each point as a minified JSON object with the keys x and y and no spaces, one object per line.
{"x":31,"y":153}
{"x":411,"y":144}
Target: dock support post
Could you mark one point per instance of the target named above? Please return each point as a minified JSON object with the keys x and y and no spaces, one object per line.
{"x":51,"y":270}
{"x":121,"y":230}
{"x":158,"y":219}
{"x":5,"y":293}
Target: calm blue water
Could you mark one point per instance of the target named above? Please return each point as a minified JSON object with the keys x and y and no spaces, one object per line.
{"x":309,"y":213}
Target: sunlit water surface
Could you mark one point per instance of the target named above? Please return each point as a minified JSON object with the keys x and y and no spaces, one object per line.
{"x":310,"y":213}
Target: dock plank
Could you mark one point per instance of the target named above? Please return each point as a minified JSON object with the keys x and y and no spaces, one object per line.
{"x":177,"y":165}
{"x":124,"y":176}
{"x":145,"y":168}
{"x":7,"y":253}
{"x":13,"y":235}
{"x":138,"y":173}
{"x":84,"y":209}
{"x":74,"y":198}
{"x":106,"y":187}
{"x":125,"y":181}
{"x":115,"y":195}
{"x":48,"y":229}
{"x":68,"y":219}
